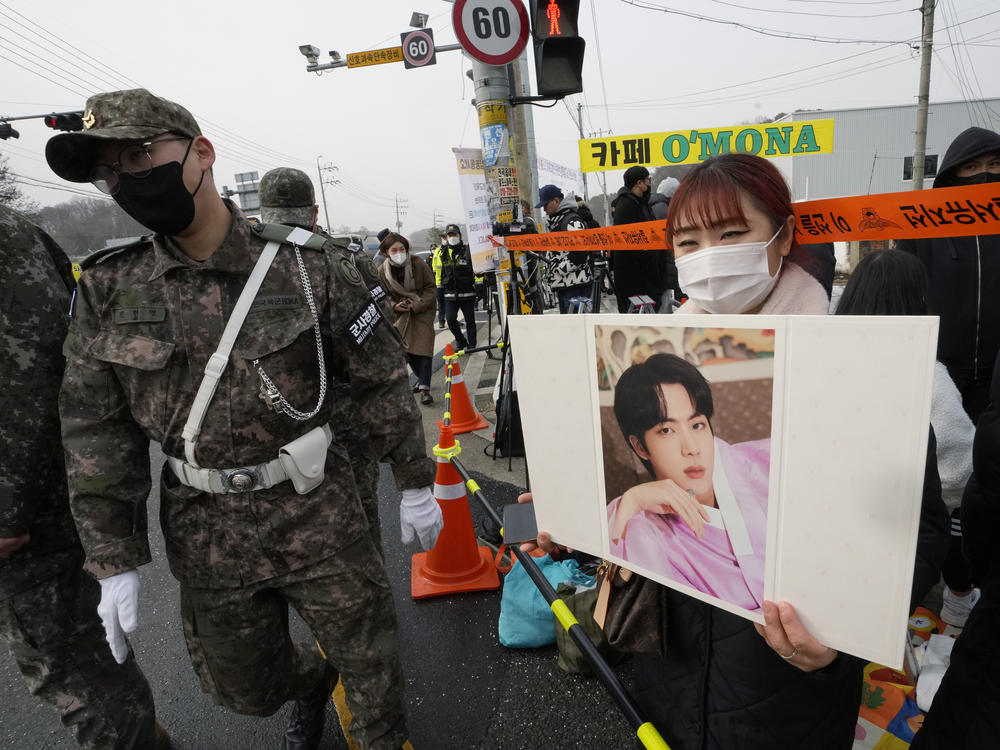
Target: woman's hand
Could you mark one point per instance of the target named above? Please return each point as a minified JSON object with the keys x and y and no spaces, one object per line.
{"x":402,"y":306}
{"x":543,"y":541}
{"x":662,"y":496}
{"x":790,"y":640}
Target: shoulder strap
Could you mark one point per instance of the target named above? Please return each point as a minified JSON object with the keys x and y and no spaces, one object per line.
{"x":218,"y":361}
{"x":282,"y":233}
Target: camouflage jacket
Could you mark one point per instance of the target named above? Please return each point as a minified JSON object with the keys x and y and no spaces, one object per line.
{"x":354,"y":430}
{"x":35,"y":287}
{"x":145,"y":323}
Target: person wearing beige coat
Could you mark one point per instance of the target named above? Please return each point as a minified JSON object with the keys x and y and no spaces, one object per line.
{"x":409,"y":282}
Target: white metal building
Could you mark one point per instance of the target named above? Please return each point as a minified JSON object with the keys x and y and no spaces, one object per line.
{"x":873,"y":152}
{"x":873,"y":147}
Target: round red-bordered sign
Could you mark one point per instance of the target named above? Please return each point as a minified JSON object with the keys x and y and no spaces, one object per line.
{"x":492,"y":31}
{"x":418,"y":47}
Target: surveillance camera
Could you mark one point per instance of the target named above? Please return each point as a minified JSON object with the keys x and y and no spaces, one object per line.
{"x":419,"y":20}
{"x":311,"y":52}
{"x":334,"y":55}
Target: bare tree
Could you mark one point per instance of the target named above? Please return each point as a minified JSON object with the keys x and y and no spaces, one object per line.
{"x":10,"y":190}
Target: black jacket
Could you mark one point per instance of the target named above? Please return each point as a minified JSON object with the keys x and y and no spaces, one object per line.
{"x":965,"y":714}
{"x":457,"y":276}
{"x":934,"y":534}
{"x":659,"y":205}
{"x":964,"y":275}
{"x":649,"y":272}
{"x":587,"y":215}
{"x":567,"y":269}
{"x":721,"y":687}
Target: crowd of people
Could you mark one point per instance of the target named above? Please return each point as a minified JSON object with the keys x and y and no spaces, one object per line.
{"x":269,"y":362}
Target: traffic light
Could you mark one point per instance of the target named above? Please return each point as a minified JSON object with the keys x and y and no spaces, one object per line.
{"x":558,"y":47}
{"x":7,"y":131}
{"x":68,"y":121}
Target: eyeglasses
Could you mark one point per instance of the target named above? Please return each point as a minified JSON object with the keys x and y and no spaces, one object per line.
{"x":133,"y":160}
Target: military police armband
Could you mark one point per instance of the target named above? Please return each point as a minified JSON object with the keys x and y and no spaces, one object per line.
{"x":361,"y":326}
{"x":377,"y":293}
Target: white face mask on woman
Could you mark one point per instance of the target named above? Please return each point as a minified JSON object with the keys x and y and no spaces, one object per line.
{"x":728,"y":278}
{"x":397,"y":258}
{"x":454,"y":241}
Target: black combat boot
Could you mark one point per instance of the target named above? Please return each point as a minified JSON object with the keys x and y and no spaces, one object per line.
{"x":305,"y":727}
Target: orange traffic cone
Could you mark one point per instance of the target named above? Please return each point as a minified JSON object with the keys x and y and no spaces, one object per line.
{"x":455,"y":563}
{"x":464,"y":417}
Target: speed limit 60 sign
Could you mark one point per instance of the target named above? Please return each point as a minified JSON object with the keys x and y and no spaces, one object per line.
{"x":492,"y":31}
{"x":418,"y":48}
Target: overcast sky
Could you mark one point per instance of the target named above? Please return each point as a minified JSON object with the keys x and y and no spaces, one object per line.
{"x":390,"y":131}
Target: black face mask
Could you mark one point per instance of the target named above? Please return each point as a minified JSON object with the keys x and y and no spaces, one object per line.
{"x":159,"y":200}
{"x":980,"y":178}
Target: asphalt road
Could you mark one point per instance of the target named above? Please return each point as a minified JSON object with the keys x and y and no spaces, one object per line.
{"x":464,"y":690}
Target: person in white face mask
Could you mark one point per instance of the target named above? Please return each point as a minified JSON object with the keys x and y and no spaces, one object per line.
{"x":732,"y":230}
{"x":409,"y":282}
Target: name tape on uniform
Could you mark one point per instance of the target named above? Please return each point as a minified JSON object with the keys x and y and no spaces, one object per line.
{"x":915,"y":214}
{"x":692,"y":146}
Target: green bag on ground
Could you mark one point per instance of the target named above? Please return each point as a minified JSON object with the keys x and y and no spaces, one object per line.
{"x":581,"y":603}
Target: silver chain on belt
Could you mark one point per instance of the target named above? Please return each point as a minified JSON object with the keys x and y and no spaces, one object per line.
{"x":268,"y":390}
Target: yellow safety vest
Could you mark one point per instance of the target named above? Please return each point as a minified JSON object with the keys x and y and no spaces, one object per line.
{"x":437,"y":264}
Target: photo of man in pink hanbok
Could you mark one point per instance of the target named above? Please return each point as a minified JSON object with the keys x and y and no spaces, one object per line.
{"x":702,"y":520}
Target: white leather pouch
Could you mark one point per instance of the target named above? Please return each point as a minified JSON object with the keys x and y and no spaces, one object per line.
{"x":304,"y":459}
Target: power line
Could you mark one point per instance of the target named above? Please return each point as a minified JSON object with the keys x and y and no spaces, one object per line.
{"x":758,"y":29}
{"x":747,"y":83}
{"x":35,"y":72}
{"x":851,"y":2}
{"x":965,"y":50}
{"x":600,"y":63}
{"x":66,"y":44}
{"x":807,"y":13}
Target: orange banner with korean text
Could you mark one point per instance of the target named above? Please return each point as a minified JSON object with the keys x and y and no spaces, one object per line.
{"x":915,"y":214}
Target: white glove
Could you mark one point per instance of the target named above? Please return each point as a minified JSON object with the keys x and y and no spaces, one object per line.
{"x":420,"y":517}
{"x":119,"y":610}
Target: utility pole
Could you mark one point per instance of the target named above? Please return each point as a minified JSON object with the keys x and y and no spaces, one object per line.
{"x":923,"y":96}
{"x":322,"y":191}
{"x":492,"y":89}
{"x":523,"y":127}
{"x":399,"y":221}
{"x":579,"y":123}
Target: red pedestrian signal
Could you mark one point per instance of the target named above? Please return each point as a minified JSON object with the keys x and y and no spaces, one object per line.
{"x":552,"y":12}
{"x":558,"y":48}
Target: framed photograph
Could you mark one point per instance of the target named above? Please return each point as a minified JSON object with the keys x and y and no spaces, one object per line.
{"x":759,"y":458}
{"x":685,"y":426}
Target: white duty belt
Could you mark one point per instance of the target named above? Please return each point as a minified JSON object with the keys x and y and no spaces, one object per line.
{"x":302,"y":461}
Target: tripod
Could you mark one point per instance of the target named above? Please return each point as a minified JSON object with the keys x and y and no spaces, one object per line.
{"x":506,"y":412}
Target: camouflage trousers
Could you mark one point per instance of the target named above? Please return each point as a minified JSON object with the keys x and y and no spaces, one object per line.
{"x":240,"y":646}
{"x":58,"y":642}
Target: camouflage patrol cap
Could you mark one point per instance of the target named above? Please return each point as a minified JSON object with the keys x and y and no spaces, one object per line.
{"x":287,"y":197}
{"x":115,"y":115}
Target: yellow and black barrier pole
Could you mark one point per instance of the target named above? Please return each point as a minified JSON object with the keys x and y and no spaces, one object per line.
{"x":463,"y":352}
{"x":645,"y":731}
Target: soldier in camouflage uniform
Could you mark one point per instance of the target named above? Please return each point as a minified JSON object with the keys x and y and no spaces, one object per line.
{"x":247,"y":544}
{"x":47,"y":603}
{"x":287,"y":197}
